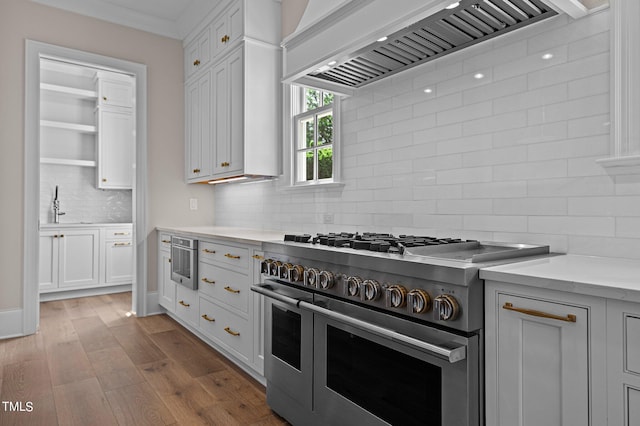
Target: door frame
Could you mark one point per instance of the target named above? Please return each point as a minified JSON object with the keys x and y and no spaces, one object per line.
{"x":31,"y":295}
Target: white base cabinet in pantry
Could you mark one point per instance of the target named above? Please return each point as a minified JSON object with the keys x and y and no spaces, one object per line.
{"x":69,"y":258}
{"x":79,"y":257}
{"x":544,"y":357}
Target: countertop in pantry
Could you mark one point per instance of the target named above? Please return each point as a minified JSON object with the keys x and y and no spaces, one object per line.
{"x":589,"y":275}
{"x":84,"y":225}
{"x":241,"y":235}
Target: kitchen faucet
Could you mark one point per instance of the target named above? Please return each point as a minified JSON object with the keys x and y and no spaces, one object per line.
{"x":56,"y":208}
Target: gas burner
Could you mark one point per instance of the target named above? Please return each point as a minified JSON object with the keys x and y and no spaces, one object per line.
{"x":371,"y":241}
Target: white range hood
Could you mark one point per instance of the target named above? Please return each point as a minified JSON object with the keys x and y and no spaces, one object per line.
{"x":342,"y":45}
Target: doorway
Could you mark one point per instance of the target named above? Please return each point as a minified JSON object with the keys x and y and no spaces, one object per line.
{"x":80,"y":158}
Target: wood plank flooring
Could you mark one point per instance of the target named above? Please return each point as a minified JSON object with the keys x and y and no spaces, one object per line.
{"x":91,"y":364}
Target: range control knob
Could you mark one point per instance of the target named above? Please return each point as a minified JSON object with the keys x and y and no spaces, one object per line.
{"x":296,"y":273}
{"x":396,"y":296}
{"x":370,"y":290}
{"x":445,"y":307}
{"x":326,"y":280}
{"x":265,"y":266}
{"x":418,"y":301}
{"x":352,"y":287}
{"x":311,"y":277}
{"x":284,"y":271}
{"x":274,"y":268}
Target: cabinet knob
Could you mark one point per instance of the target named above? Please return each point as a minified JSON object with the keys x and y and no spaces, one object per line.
{"x":104,"y":98}
{"x":196,"y":62}
{"x":196,"y":170}
{"x":225,"y":39}
{"x":225,"y":164}
{"x":104,"y":179}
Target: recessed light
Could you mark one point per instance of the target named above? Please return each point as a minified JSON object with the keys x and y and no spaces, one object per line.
{"x":428,"y":90}
{"x":332,"y":63}
{"x":453,"y":5}
{"x":381,"y":39}
{"x":323,"y":68}
{"x":547,"y":56}
{"x":478,"y":76}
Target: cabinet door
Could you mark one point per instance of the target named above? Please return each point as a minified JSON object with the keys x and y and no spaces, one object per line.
{"x":116,"y":93}
{"x":79,"y":257}
{"x":115,"y":149}
{"x":198,"y":53}
{"x":229,"y":115}
{"x":166,"y":287}
{"x":119,"y":262}
{"x":623,"y":362}
{"x":198,"y":154}
{"x":48,"y":260}
{"x":542,"y":364}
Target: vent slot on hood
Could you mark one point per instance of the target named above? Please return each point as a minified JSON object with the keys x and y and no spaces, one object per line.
{"x":447,"y":31}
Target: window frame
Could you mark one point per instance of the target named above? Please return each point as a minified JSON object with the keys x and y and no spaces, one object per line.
{"x":297,"y":113}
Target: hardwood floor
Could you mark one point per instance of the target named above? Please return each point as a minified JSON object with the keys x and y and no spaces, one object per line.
{"x":91,"y":364}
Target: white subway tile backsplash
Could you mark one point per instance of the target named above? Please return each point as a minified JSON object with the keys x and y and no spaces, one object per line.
{"x":573,"y":225}
{"x":510,"y":157}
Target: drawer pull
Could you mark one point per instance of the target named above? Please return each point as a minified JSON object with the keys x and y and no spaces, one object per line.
{"x":208,"y":251}
{"x":196,"y":62}
{"x":186,"y":305}
{"x":207,"y":318}
{"x":569,"y":318}
{"x":196,"y":170}
{"x":120,"y":233}
{"x":121,"y":244}
{"x":166,"y":241}
{"x":258,"y":257}
{"x":208,"y":281}
{"x":231,"y":256}
{"x":231,"y":332}
{"x":232,"y":290}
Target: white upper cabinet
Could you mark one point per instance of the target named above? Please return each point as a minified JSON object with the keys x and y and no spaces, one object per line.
{"x":116,"y":130}
{"x":233,"y":105}
{"x":197,"y":54}
{"x":227,"y":29}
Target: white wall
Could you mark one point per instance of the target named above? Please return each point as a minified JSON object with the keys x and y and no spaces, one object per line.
{"x":168,"y":195}
{"x":510,"y":157}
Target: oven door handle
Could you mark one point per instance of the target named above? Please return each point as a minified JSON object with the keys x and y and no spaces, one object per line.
{"x":451,"y":354}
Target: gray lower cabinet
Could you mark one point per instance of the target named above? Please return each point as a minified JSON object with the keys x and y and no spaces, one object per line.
{"x":224,"y":311}
{"x":544,"y":357}
{"x":623,"y":362}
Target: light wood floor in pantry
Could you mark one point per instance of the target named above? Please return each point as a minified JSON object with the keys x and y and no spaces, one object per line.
{"x":90,"y":364}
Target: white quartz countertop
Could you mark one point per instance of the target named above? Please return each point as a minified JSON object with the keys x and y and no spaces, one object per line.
{"x":595,"y":276}
{"x":242,"y":235}
{"x":85,"y":225}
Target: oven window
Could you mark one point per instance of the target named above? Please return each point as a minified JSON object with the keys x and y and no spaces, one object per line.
{"x":396,"y":387}
{"x":180,"y":262}
{"x":285,"y":339}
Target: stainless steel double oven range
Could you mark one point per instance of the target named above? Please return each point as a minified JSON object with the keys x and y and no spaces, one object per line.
{"x":371,"y":329}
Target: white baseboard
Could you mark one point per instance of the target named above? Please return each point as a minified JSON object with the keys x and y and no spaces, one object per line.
{"x":11,"y":323}
{"x":85,"y":292}
{"x":153,"y":307}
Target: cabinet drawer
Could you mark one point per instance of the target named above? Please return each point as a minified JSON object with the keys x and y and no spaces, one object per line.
{"x":164,"y":241}
{"x":225,"y":327}
{"x":229,"y":255}
{"x":231,"y":288}
{"x":119,"y":233}
{"x":187,"y":305}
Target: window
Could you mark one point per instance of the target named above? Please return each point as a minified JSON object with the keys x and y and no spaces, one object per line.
{"x":315,"y":144}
